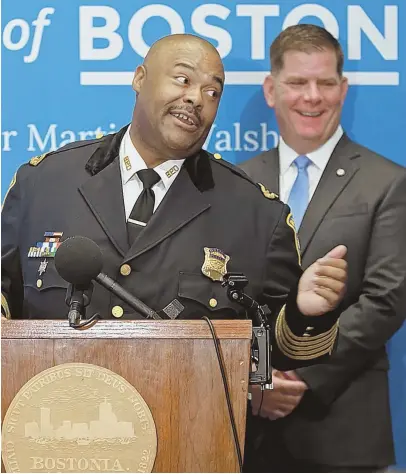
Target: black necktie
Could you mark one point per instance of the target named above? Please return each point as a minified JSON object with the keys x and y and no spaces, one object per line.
{"x":144,"y":206}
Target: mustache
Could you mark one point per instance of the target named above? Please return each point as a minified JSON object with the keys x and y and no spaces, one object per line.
{"x":187,"y":108}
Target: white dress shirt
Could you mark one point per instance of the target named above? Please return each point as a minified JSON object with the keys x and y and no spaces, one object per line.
{"x":131,"y":162}
{"x":319,"y":159}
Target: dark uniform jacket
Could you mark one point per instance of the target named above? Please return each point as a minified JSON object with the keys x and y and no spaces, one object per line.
{"x":360,"y":201}
{"x":77,"y":190}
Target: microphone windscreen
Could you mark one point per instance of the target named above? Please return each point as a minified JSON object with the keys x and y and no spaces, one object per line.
{"x":78,"y":260}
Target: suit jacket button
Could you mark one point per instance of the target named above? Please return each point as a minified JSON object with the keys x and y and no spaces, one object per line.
{"x":117,"y":311}
{"x":125,"y":269}
{"x":213,"y":302}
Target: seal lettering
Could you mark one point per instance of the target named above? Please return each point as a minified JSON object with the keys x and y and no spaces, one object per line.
{"x":67,"y":418}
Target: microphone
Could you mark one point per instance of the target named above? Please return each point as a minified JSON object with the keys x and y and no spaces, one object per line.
{"x":79,"y":260}
{"x":80,"y":279}
{"x":127,"y":297}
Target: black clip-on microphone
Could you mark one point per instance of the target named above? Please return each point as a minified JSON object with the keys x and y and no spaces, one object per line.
{"x":261,"y":331}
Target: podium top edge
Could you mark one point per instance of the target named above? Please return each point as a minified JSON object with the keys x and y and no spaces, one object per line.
{"x":142,"y":329}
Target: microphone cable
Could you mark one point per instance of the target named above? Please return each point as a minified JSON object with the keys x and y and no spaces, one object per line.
{"x":226,"y":390}
{"x":262,"y":401}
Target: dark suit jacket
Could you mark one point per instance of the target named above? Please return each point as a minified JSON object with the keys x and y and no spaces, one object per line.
{"x":77,"y":190}
{"x":344,"y":419}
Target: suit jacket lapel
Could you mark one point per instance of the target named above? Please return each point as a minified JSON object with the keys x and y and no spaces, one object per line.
{"x":271,"y":170}
{"x":330,"y":186}
{"x":104,"y":195}
{"x":182,"y":203}
{"x":103,"y":192}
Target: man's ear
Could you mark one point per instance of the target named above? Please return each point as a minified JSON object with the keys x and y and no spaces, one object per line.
{"x":269,"y":90}
{"x":344,"y":89}
{"x":139,"y":76}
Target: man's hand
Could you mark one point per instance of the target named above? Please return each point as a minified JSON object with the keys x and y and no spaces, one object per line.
{"x":322,"y":285}
{"x":282,"y":399}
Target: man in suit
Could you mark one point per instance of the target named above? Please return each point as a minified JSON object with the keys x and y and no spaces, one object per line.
{"x":171,"y":220}
{"x":335,"y":416}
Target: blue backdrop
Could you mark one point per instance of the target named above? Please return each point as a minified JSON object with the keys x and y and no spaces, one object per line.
{"x":67,"y":69}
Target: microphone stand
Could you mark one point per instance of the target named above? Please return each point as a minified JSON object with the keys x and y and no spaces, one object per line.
{"x":77,"y":298}
{"x":261,"y":331}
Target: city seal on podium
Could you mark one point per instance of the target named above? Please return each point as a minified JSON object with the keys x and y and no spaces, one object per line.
{"x":78,"y":418}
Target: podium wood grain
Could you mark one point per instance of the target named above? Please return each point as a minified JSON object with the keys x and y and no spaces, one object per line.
{"x":172,"y":364}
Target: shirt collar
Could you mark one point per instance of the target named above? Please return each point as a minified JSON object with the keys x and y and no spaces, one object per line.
{"x":319,"y":157}
{"x":131,"y":162}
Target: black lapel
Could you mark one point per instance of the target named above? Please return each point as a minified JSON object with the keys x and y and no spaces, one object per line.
{"x":106,"y":153}
{"x":104,"y":195}
{"x":103,"y":192}
{"x":184,"y":201}
{"x":330,"y":186}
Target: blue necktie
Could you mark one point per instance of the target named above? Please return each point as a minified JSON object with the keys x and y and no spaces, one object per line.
{"x":299,"y":195}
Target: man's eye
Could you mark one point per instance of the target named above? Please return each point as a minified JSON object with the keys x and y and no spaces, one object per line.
{"x":213,"y":93}
{"x":182,"y":79}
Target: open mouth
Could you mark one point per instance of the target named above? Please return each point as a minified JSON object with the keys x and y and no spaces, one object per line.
{"x":189,"y":121}
{"x":310,"y":114}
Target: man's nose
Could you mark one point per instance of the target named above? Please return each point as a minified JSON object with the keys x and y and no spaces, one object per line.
{"x":312,"y":92}
{"x":193,"y":95}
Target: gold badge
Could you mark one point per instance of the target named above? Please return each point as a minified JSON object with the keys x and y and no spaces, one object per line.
{"x":291,"y":224}
{"x":78,"y":418}
{"x":267,"y":193}
{"x":215,"y":263}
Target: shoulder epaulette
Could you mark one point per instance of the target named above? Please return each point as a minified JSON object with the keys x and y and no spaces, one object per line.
{"x":217,"y":157}
{"x":36,"y":160}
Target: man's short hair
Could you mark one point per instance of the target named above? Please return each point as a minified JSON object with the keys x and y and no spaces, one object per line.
{"x":306,"y":38}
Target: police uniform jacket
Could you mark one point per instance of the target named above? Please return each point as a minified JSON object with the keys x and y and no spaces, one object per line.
{"x":77,"y":190}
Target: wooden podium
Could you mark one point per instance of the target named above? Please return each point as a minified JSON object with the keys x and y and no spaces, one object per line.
{"x":172,"y":364}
